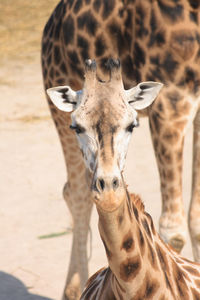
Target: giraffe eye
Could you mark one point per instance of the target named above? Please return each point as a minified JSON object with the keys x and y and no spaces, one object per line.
{"x":130,"y":127}
{"x":78,"y":129}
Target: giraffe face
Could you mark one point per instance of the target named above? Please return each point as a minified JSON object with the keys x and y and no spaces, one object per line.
{"x":103,"y":118}
{"x":103,"y":124}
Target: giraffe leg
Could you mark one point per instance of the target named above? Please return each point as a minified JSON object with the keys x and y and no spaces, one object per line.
{"x":81,"y":213}
{"x":194,"y":212}
{"x":78,"y":198}
{"x":168,"y":139}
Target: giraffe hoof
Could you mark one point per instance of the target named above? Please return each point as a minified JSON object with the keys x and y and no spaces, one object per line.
{"x":177,"y":243}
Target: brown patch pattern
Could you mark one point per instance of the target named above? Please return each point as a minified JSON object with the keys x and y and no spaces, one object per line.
{"x":158,"y":50}
{"x":128,"y":243}
{"x":148,"y":289}
{"x":130,"y":267}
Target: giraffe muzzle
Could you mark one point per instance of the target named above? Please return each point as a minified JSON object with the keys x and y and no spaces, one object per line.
{"x":106,"y":184}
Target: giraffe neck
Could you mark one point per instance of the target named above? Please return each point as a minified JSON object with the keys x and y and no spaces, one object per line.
{"x":134,"y":251}
{"x":141,"y":265}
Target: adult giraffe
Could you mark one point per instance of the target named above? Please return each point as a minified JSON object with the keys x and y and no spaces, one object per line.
{"x":155,"y":40}
{"x":104,"y":117}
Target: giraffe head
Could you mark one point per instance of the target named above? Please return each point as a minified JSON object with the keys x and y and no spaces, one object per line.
{"x":103,"y":117}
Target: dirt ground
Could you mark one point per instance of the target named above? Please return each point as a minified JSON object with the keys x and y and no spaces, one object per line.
{"x":35,"y":225}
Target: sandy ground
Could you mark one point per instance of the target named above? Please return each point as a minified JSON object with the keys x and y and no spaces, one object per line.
{"x":32,"y":171}
{"x":32,"y":175}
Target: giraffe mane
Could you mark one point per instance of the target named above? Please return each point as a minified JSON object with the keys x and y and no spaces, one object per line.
{"x":137,"y":202}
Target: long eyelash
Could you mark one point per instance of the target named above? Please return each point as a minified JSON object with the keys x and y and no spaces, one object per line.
{"x":130,"y":127}
{"x":72,"y":127}
{"x":79,"y":129}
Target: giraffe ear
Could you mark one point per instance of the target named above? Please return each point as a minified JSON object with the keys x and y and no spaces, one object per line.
{"x":64,"y":98}
{"x":142,"y":95}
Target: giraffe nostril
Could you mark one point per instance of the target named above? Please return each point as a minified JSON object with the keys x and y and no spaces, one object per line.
{"x":100,"y":184}
{"x":115,"y":183}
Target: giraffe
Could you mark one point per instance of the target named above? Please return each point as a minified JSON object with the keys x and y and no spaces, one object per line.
{"x":104,"y":115}
{"x":156,"y":40}
{"x":141,"y":265}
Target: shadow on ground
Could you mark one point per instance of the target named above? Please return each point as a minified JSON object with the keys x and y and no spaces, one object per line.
{"x":12,"y":288}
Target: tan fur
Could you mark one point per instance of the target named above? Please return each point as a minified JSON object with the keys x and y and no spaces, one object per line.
{"x":155,"y":40}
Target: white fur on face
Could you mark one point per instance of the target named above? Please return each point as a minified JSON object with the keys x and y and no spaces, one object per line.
{"x":122,"y":143}
{"x":90,"y":147}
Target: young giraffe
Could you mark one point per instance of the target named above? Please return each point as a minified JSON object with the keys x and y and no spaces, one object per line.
{"x":141,"y":266}
{"x":155,"y":40}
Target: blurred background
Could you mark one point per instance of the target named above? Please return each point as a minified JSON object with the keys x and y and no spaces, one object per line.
{"x":35,"y":225}
{"x":21,"y":28}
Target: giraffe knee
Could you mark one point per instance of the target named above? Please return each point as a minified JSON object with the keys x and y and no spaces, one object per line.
{"x":177,"y":242}
{"x":66,"y":191}
{"x":68,"y":196}
{"x":69,"y":199}
{"x":173,"y":233}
